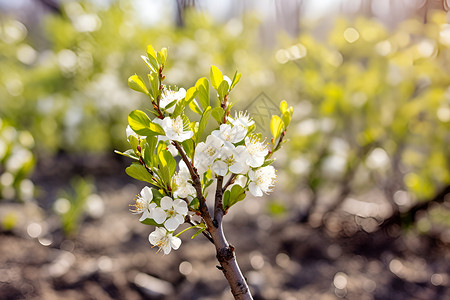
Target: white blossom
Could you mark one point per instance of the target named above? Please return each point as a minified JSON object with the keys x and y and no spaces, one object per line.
{"x":257,"y":152}
{"x":262,"y":180}
{"x":241,"y":119}
{"x":144,"y":204}
{"x":168,"y":96}
{"x":183,"y":188}
{"x":171,"y":212}
{"x":174,"y":129}
{"x":230,"y":135}
{"x":232,"y":159}
{"x":164,"y":240}
{"x":206,"y":153}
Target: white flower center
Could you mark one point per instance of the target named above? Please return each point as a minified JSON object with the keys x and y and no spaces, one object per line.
{"x":230,"y":160}
{"x":171,"y":212}
{"x":255,"y":147}
{"x":178,"y":125}
{"x":210,"y":151}
{"x":163,"y":242}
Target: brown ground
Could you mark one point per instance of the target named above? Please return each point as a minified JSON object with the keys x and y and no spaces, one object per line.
{"x":111,"y":258}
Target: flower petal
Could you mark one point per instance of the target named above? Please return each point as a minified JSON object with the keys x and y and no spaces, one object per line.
{"x":220,"y":168}
{"x":175,"y":242}
{"x":171,"y":224}
{"x":147,"y":194}
{"x":166,"y":202}
{"x":255,"y":190}
{"x":159,"y":215}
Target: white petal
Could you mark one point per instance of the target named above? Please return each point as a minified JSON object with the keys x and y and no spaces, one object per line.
{"x":255,"y":161}
{"x":220,"y":168}
{"x":166,"y":202}
{"x":236,"y":168}
{"x":180,"y":206}
{"x":144,"y":216}
{"x":159,"y":215}
{"x":255,"y":190}
{"x":175,"y":242}
{"x":147,"y":194}
{"x":156,"y":235}
{"x":184,"y":136}
{"x":179,"y":218}
{"x":166,"y":248}
{"x":171,"y":224}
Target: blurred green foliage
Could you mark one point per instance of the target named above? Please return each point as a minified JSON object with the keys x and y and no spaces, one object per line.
{"x":376,"y":112}
{"x":16,"y":162}
{"x":71,"y":206}
{"x":372,"y":106}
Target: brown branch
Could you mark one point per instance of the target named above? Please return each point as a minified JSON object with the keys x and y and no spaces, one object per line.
{"x":229,"y":182}
{"x":224,"y":251}
{"x":218,"y":205}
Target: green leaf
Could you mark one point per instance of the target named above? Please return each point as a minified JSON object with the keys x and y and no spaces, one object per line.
{"x":129,"y":153}
{"x":138,"y":171}
{"x":276,"y":125}
{"x":202,"y":86}
{"x":236,"y":78}
{"x":236,"y":194}
{"x":136,"y":83}
{"x":142,"y":125}
{"x":194,"y":203}
{"x":286,"y":118}
{"x":223,"y":89}
{"x":188,"y":146}
{"x":163,"y":55}
{"x":193,"y":105}
{"x":283,"y":106}
{"x":167,"y":161}
{"x":217,"y":114}
{"x":268,"y":162}
{"x":216,"y":77}
{"x":134,"y":142}
{"x":154,"y":84}
{"x":152,"y":58}
{"x":160,"y":58}
{"x":151,"y":222}
{"x":149,"y":63}
{"x":203,"y":122}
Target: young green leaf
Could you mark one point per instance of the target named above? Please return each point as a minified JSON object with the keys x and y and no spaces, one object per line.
{"x":129,"y":153}
{"x":286,"y":118}
{"x":217,"y":114}
{"x":149,"y":64}
{"x":283,"y":106}
{"x":166,"y":159}
{"x":236,"y":194}
{"x":216,"y":77}
{"x":276,"y":125}
{"x":136,"y":83}
{"x":223,"y":89}
{"x":193,"y":105}
{"x":202,"y":86}
{"x":203,"y":122}
{"x":236,"y":78}
{"x":138,"y":171}
{"x":151,"y":222}
{"x":142,"y":125}
{"x":188,"y":146}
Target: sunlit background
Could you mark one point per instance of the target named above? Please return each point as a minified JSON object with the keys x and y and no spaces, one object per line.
{"x":361,"y":209}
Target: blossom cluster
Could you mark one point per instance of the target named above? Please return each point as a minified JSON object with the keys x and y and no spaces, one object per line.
{"x":232,"y":154}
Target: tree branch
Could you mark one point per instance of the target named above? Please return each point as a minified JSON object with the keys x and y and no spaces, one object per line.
{"x":224,"y":251}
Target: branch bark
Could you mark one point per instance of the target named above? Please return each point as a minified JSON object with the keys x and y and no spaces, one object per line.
{"x":224,"y":251}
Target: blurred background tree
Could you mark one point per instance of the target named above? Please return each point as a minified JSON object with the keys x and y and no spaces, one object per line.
{"x":373,"y":106}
